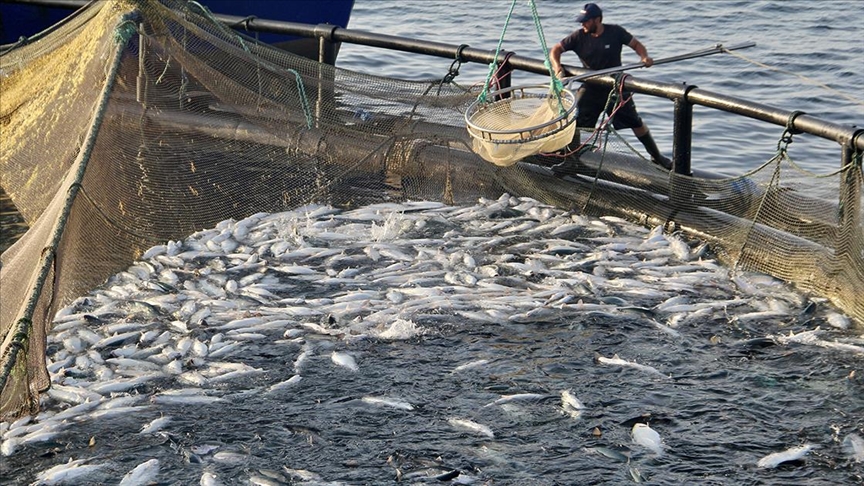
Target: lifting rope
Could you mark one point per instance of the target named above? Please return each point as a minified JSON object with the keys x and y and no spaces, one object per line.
{"x":512,"y":123}
{"x":494,"y":64}
{"x":555,"y":84}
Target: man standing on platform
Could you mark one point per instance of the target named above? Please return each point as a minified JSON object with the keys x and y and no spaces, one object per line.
{"x":598,"y":46}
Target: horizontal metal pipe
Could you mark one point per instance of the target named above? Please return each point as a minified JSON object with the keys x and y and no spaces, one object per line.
{"x":842,"y":134}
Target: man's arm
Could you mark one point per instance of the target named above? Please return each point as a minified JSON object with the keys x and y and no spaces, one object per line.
{"x":641,"y":51}
{"x":555,"y":59}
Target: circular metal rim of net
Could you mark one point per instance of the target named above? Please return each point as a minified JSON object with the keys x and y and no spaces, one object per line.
{"x":527,"y":134}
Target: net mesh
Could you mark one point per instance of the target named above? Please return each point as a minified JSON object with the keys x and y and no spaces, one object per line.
{"x":142,"y":122}
{"x":529,"y":121}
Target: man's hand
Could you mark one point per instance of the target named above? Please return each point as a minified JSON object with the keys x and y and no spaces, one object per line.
{"x":647,"y":61}
{"x":555,"y":59}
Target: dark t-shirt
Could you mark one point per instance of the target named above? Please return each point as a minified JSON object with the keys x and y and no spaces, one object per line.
{"x":598,"y":52}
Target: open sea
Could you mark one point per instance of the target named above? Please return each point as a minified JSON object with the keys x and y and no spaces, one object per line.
{"x":503,"y":343}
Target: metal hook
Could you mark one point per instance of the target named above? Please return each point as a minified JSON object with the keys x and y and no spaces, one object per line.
{"x":455,"y":65}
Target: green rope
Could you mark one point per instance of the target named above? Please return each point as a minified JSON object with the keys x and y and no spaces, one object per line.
{"x":225,"y":30}
{"x":494,"y":63}
{"x":20,"y":338}
{"x":555,"y":83}
{"x":20,"y":42}
{"x":304,"y":101}
{"x":301,"y":89}
{"x":78,"y":168}
{"x":124,"y":31}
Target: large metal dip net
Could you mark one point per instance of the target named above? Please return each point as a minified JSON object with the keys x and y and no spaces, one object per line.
{"x":522,"y":122}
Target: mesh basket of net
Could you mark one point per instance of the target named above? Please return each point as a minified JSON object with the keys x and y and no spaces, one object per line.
{"x":509,"y":124}
{"x":521,"y":121}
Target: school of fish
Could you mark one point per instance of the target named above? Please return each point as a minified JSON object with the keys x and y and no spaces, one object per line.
{"x":327,"y":292}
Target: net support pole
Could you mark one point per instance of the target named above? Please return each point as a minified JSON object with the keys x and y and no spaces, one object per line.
{"x":682,"y":133}
{"x":505,"y":72}
{"x":850,"y":202}
{"x":141,"y":86}
{"x":22,"y":329}
{"x":682,"y":143}
{"x":327,"y":51}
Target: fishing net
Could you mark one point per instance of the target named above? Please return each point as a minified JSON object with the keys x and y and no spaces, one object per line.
{"x":513,"y":123}
{"x":528,"y":121}
{"x":138,"y":123}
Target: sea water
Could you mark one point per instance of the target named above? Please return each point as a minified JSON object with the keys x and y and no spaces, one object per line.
{"x":807,"y":58}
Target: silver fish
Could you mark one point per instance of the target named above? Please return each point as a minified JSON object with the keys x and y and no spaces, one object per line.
{"x":155,"y":425}
{"x":518,"y":397}
{"x":285,"y":384}
{"x":791,"y":454}
{"x":616,"y":361}
{"x":387,"y":402}
{"x":344,"y":360}
{"x":67,"y":473}
{"x":647,"y":438}
{"x":570,"y":404}
{"x":853,"y":446}
{"x":144,"y":473}
{"x":472,"y":427}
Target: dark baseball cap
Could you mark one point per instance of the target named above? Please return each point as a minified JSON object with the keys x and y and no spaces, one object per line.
{"x":590,"y":11}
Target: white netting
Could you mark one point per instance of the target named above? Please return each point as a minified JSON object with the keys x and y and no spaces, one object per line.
{"x":530,"y":121}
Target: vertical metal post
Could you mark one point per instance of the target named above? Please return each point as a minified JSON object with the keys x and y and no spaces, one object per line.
{"x":682,"y":134}
{"x":141,"y":90}
{"x":327,"y":50}
{"x":322,"y":55}
{"x":850,"y":200}
{"x":504,"y":79}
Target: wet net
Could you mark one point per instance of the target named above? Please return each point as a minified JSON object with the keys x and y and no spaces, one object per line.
{"x":530,"y":120}
{"x":138,"y":123}
{"x":513,"y":123}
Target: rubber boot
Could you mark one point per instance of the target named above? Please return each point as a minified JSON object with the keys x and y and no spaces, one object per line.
{"x":571,"y":163}
{"x":656,"y":157}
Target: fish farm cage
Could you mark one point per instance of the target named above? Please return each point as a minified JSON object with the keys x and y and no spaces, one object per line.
{"x":139,"y":122}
